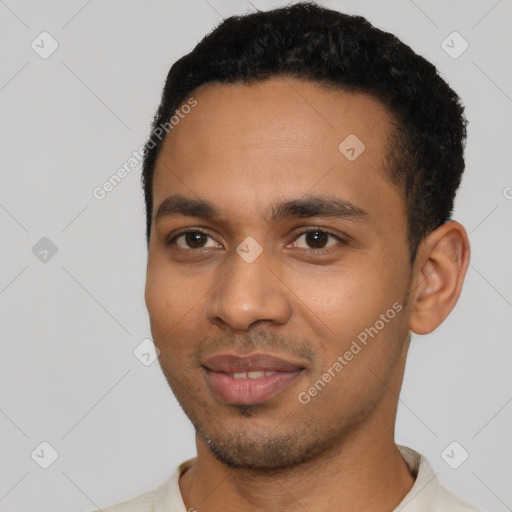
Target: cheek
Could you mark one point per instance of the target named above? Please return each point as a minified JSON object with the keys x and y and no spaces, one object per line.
{"x":364,"y":329}
{"x":341,"y":298}
{"x":170,"y":291}
{"x":348,"y":305}
{"x":171,"y":299}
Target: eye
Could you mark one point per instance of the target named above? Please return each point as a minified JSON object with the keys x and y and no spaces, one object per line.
{"x":193,"y":239}
{"x":316,"y":239}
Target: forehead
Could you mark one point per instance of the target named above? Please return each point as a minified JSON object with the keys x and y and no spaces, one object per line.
{"x":277,"y":109}
{"x":278,"y":139}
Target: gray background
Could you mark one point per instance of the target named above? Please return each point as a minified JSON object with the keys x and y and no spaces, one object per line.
{"x":69,"y":326}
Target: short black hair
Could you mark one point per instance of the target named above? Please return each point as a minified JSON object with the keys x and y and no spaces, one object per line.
{"x":425,"y":156}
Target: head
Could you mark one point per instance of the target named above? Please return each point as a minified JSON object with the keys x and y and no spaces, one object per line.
{"x":426,"y":141}
{"x":299,"y":206}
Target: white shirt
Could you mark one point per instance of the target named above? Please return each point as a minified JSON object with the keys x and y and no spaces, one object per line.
{"x":426,"y":495}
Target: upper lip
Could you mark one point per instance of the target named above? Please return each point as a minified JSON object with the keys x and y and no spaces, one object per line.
{"x":231,"y":363}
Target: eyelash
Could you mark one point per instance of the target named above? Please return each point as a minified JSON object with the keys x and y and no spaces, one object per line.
{"x":340,"y":240}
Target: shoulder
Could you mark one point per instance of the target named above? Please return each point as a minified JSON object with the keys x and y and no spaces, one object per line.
{"x":165,"y":497}
{"x":142,"y":503}
{"x":443,"y":500}
{"x":427,"y":494}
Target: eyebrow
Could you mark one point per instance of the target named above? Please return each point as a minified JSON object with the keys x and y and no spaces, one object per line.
{"x":308,"y":206}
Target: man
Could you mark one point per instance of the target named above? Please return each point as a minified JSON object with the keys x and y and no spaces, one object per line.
{"x":299,"y":183}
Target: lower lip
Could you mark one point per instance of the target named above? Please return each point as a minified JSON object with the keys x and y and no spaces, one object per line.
{"x":249,"y":391}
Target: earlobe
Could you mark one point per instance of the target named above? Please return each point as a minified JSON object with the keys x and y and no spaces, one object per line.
{"x":441,"y":266}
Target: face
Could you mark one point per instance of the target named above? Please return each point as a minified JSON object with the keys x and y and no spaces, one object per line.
{"x":278,"y":270}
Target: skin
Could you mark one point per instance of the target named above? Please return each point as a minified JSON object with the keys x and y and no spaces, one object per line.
{"x":244,"y":148}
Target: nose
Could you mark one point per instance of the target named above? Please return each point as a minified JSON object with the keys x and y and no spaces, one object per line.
{"x":249,"y":293}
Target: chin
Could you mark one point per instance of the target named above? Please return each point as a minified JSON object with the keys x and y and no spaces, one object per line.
{"x":263,"y":451}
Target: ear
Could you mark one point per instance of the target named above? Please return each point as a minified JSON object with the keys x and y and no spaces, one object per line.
{"x":439,"y":270}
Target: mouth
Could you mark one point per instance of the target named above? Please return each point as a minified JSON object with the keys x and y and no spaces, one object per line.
{"x":249,"y":380}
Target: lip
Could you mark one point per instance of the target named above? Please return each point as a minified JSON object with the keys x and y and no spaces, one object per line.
{"x":231,"y":363}
{"x":219,"y":376}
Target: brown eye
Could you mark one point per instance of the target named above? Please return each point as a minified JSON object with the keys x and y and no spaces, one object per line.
{"x":193,"y":240}
{"x":316,"y":239}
